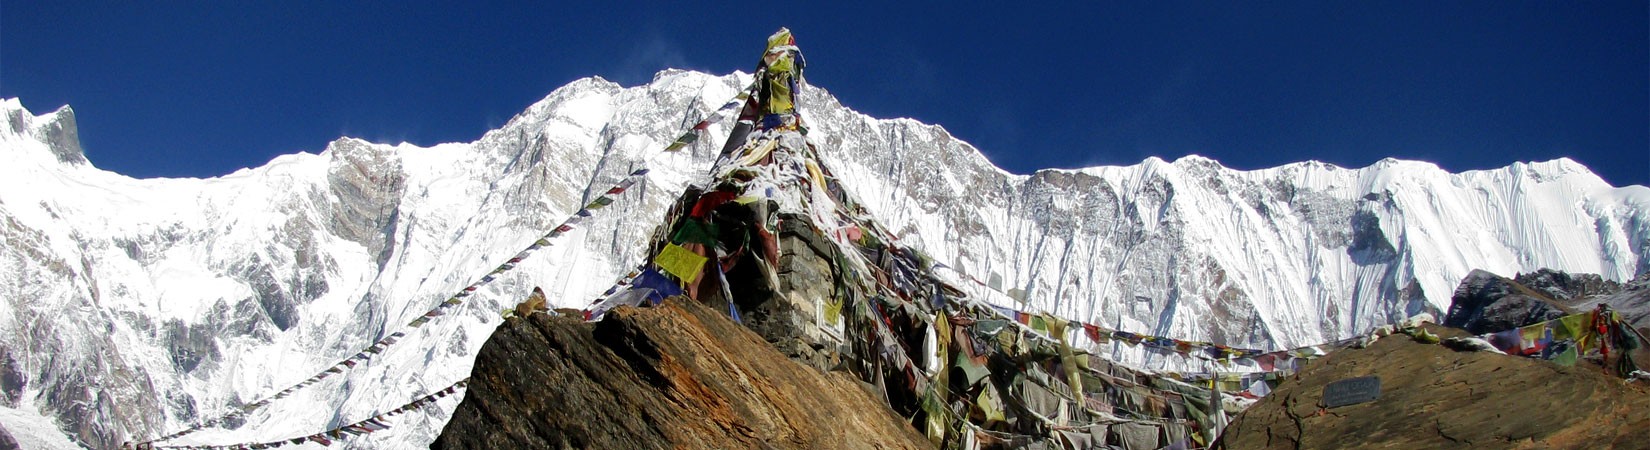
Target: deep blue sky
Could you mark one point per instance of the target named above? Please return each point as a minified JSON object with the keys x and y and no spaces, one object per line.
{"x":201,"y":89}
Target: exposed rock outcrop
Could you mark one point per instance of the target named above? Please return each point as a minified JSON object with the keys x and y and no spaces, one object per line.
{"x":366,"y":183}
{"x":673,"y":376}
{"x":1487,"y":303}
{"x":1434,"y":397}
{"x":1630,"y":299}
{"x":1564,"y":286}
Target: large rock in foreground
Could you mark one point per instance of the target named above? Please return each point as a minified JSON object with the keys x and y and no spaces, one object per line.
{"x":1434,"y":397}
{"x":674,"y":376}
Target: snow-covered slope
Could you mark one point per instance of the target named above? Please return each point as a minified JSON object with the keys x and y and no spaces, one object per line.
{"x":135,"y":307}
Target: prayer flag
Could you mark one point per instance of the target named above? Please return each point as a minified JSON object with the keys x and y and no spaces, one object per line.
{"x":695,"y":231}
{"x":1039,"y":323}
{"x":680,"y":263}
{"x":1570,"y":327}
{"x":662,"y":287}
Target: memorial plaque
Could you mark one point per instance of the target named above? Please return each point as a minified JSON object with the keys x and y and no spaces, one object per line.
{"x":1351,"y":391}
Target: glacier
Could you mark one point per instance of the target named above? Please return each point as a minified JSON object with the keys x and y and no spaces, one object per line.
{"x":139,"y":306}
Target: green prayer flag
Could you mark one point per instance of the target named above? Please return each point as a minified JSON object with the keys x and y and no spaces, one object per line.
{"x":1040,"y":323}
{"x":683,"y":141}
{"x":695,"y":231}
{"x":1570,"y":327}
{"x":1566,"y":358}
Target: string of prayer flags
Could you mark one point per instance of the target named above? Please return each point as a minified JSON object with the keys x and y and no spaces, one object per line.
{"x":1099,"y":334}
{"x":715,"y":116}
{"x":370,"y":425}
{"x":682,"y":141}
{"x":1562,"y":340}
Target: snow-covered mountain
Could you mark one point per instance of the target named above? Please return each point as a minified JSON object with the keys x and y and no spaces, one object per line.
{"x":135,"y":307}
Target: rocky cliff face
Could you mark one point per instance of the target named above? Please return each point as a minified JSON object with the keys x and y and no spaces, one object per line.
{"x":673,"y":376}
{"x":1487,"y":303}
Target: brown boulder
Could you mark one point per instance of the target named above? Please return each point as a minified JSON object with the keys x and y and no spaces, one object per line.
{"x":1434,"y":397}
{"x":674,"y":376}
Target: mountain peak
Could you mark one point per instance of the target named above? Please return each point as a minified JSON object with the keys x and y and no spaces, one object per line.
{"x":1553,"y":169}
{"x":56,"y":129}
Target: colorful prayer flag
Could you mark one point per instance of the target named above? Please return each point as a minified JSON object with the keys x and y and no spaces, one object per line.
{"x":680,"y":263}
{"x":695,"y":231}
{"x":1092,"y":331}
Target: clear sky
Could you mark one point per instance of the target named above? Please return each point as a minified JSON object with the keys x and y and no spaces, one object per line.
{"x":204,"y":88}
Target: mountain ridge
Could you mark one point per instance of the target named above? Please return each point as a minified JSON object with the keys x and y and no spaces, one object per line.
{"x":227,"y":288}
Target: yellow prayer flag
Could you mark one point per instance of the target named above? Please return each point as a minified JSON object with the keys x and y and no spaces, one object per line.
{"x":833,"y":312}
{"x":680,"y":262}
{"x":815,"y":175}
{"x":754,"y":154}
{"x":1573,"y":326}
